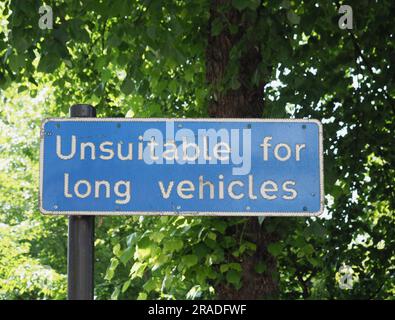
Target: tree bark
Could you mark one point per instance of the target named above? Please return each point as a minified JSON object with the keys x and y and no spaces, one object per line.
{"x":247,"y":101}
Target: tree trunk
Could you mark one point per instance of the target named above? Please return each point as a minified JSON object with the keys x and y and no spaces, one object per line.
{"x":243,"y":101}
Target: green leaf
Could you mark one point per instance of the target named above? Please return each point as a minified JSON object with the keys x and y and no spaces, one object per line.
{"x":275,"y":249}
{"x":119,"y":7}
{"x":212,"y":235}
{"x":249,"y":245}
{"x":159,"y":261}
{"x":154,"y":109}
{"x":293,"y":17}
{"x":106,"y":75}
{"x":22,"y":88}
{"x":137,"y":270}
{"x":233,"y":29}
{"x":126,"y":285}
{"x":111,"y":269}
{"x":142,"y":296}
{"x":172,"y":245}
{"x":157,"y":236}
{"x":116,"y":250}
{"x":48,"y":63}
{"x":17,"y":62}
{"x":308,"y":249}
{"x":189,"y":260}
{"x":223,"y":268}
{"x":230,"y":266}
{"x":234,"y":277}
{"x":260,"y":267}
{"x":116,"y":292}
{"x":21,"y":44}
{"x":244,"y":4}
{"x":144,"y":242}
{"x":286,"y":4}
{"x":127,"y":86}
{"x":143,"y":253}
{"x":127,"y":255}
{"x":131,"y":239}
{"x":316,"y":230}
{"x":314,"y":262}
{"x":150,"y":285}
{"x":216,"y":27}
{"x":78,"y":31}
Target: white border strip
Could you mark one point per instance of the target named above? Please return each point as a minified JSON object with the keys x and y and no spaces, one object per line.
{"x":185,"y":213}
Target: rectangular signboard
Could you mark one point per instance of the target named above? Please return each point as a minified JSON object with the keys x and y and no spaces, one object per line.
{"x":249,"y":167}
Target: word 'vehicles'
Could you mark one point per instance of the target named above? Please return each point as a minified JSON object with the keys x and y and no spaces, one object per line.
{"x":234,"y":189}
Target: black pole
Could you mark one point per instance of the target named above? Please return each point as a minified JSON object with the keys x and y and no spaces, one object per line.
{"x":80,"y":258}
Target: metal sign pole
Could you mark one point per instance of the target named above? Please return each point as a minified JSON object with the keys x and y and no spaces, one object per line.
{"x":80,"y":259}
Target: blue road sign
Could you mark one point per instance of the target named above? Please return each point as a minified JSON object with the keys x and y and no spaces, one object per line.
{"x":227,"y":167}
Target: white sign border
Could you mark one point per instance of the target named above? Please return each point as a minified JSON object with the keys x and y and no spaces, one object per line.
{"x":185,"y":213}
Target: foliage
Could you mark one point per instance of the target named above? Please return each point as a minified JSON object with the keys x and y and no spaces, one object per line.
{"x":29,"y":244}
{"x":22,"y":276}
{"x":173,"y":257}
{"x":147,"y":59}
